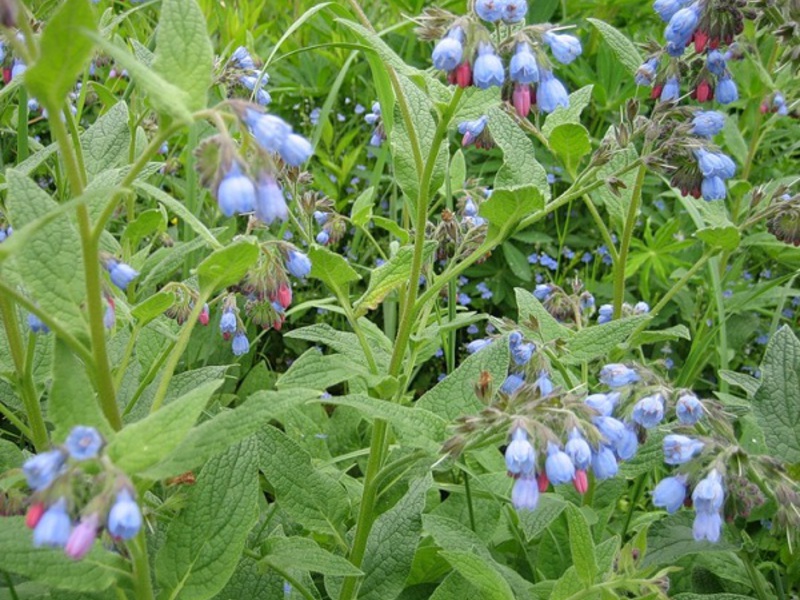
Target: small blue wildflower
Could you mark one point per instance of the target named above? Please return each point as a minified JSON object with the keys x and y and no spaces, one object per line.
{"x":36,"y":324}
{"x":707,"y":527}
{"x":605,"y":314}
{"x":682,"y":24}
{"x":125,"y":517}
{"x":679,"y":449}
{"x":603,"y":404}
{"x":548,"y":261}
{"x":314,"y":115}
{"x":646,"y":73}
{"x":707,"y":123}
{"x":604,"y":463}
{"x":542,"y":291}
{"x":298,"y":264}
{"x":521,"y":354}
{"x":240,"y":345}
{"x":511,"y":384}
{"x":514,"y":339}
{"x":689,"y":409}
{"x":666,"y":9}
{"x":628,"y":445}
{"x":523,"y":68}
{"x":533,"y":258}
{"x":514,"y":11}
{"x":54,"y":527}
{"x":490,"y":10}
{"x":578,"y":450}
{"x":525,"y":493}
{"x":558,"y":465}
{"x":83,"y":443}
{"x":708,"y":494}
{"x":671,"y":90}
{"x":295,"y":150}
{"x":241,"y":56}
{"x":649,"y":411}
{"x":487,"y":70}
{"x":121,"y":274}
{"x":565,"y":48}
{"x":449,"y":50}
{"x":269,"y":131}
{"x":270,"y":204}
{"x":713,"y":188}
{"x":471,"y":130}
{"x":587,"y":257}
{"x":641,"y":308}
{"x":42,"y":469}
{"x":551,"y":93}
{"x":726,"y":90}
{"x":464,"y":299}
{"x":478,"y":345}
{"x":321,"y":217}
{"x":236,"y":193}
{"x":617,"y":375}
{"x":544,"y":383}
{"x":586,"y":302}
{"x":520,"y":455}
{"x":486,"y":293}
{"x":472,"y":329}
{"x":715,"y":63}
{"x":323,"y":237}
{"x":612,"y":429}
{"x":670,"y":493}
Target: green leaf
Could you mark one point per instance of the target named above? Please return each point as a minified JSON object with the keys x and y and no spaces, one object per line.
{"x":144,"y":443}
{"x":344,"y":342}
{"x":671,"y":538}
{"x":571,"y":142}
{"x":147,"y":223}
{"x":105,"y":144}
{"x":184,"y":54}
{"x":392,"y":227}
{"x":361,"y":211}
{"x":517,"y":261}
{"x":179,"y":208}
{"x":96,"y":572}
{"x":617,"y":206}
{"x":776,"y":404}
{"x":205,"y":541}
{"x":229,"y":427}
{"x":662,"y":335}
{"x":734,"y":141}
{"x":316,"y":371}
{"x":534,"y":522}
{"x":606,"y":551}
{"x":623,"y":48}
{"x":71,"y":401}
{"x":305,"y":554}
{"x":598,"y":340}
{"x":309,"y":496}
{"x":228,"y":265}
{"x":690,"y":596}
{"x":581,"y":545}
{"x":392,"y":543}
{"x":741,"y":380}
{"x":649,"y":457}
{"x":458,"y":171}
{"x":416,"y":427}
{"x":545,"y":326}
{"x":332,"y":269}
{"x":566,"y":586}
{"x":520,"y":167}
{"x":578,"y":100}
{"x":153,"y":307}
{"x":506,"y":207}
{"x":64,"y":50}
{"x":480,"y":573}
{"x":726,"y":237}
{"x":455,"y":394}
{"x":391,"y":275}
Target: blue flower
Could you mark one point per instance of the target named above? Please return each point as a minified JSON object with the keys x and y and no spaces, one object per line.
{"x":42,"y":469}
{"x":477,"y":345}
{"x":521,"y":354}
{"x":471,"y":130}
{"x":240,"y":345}
{"x":713,"y":188}
{"x":298,"y":264}
{"x":54,"y":527}
{"x":649,"y":411}
{"x":604,"y":463}
{"x":523,"y":67}
{"x":708,"y":494}
{"x":628,"y":444}
{"x":565,"y":48}
{"x":488,"y":68}
{"x":715,"y":63}
{"x":520,"y":455}
{"x":551,"y":93}
{"x":667,"y":8}
{"x":270,"y":131}
{"x":525,"y":494}
{"x":323,"y":237}
{"x":295,"y":150}
{"x":558,"y":465}
{"x":617,"y":375}
{"x":241,"y":56}
{"x":449,"y":50}
{"x":586,"y":301}
{"x":641,"y":308}
{"x":603,"y":404}
{"x":726,"y":91}
{"x":670,"y":493}
{"x":605,"y":314}
{"x":514,"y":339}
{"x":612,"y":429}
{"x":236,"y":193}
{"x":121,"y":274}
{"x":679,"y":449}
{"x":689,"y":409}
{"x":542,"y":291}
{"x":671,"y":90}
{"x":124,"y":518}
{"x":578,"y":450}
{"x":681,"y":25}
{"x":514,"y":11}
{"x":707,"y":526}
{"x":83,"y":442}
{"x":715,"y":164}
{"x":227,"y":323}
{"x":36,"y":324}
{"x":646,"y":73}
{"x":490,"y":10}
{"x":544,"y":383}
{"x":511,"y":384}
{"x":270,"y":204}
{"x":707,"y":123}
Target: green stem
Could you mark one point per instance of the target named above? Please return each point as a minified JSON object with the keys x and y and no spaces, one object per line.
{"x":366,"y":510}
{"x":752,"y":573}
{"x":637,"y":493}
{"x":598,"y":220}
{"x":67,"y":151}
{"x":94,"y":302}
{"x":625,"y":243}
{"x":178,"y":350}
{"x":191,"y":192}
{"x":24,"y":378}
{"x":22,"y":125}
{"x":714,"y":268}
{"x":142,"y":584}
{"x":468,"y":493}
{"x":76,"y":143}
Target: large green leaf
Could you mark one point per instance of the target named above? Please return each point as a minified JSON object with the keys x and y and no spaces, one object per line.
{"x":205,"y":541}
{"x":228,"y":265}
{"x":598,"y":340}
{"x":306,"y":555}
{"x":106,"y":143}
{"x":623,"y":48}
{"x":581,"y":545}
{"x":332,"y":269}
{"x":480,"y":573}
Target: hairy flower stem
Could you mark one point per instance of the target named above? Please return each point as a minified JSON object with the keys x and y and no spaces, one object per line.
{"x":625,"y":243}
{"x":142,"y":584}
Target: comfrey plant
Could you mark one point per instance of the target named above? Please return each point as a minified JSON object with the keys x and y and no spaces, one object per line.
{"x":356,"y":414}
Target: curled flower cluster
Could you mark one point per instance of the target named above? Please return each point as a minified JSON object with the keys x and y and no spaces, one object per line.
{"x":55,"y":477}
{"x":250,"y":76}
{"x":605,"y":313}
{"x":468,"y":55}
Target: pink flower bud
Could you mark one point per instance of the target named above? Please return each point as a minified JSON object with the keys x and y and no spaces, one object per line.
{"x":542,"y":481}
{"x":82,"y":537}
{"x":580,"y":481}
{"x":35,"y":512}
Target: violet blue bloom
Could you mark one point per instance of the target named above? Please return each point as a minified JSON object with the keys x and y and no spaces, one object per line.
{"x":523,"y":68}
{"x":83,"y":443}
{"x":726,"y":91}
{"x":649,"y":411}
{"x":54,"y":526}
{"x":558,"y":465}
{"x":490,"y":10}
{"x":298,"y":264}
{"x":604,"y":463}
{"x":511,"y":384}
{"x":689,"y":409}
{"x":449,"y":50}
{"x":603,"y":404}
{"x":121,"y":274}
{"x":487,"y":71}
{"x":680,"y":449}
{"x":578,"y":450}
{"x":520,"y":455}
{"x":551,"y":93}
{"x":42,"y":469}
{"x":707,"y":526}
{"x":707,"y":123}
{"x":708,"y":495}
{"x":125,"y":517}
{"x":525,"y":493}
{"x":240,"y":345}
{"x":565,"y":48}
{"x":670,"y":493}
{"x":617,"y":375}
{"x":270,"y":204}
{"x":236,"y":193}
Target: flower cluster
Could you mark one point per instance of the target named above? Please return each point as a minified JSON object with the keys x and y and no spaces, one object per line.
{"x":706,"y":26}
{"x":250,"y":76}
{"x":467,"y":53}
{"x":185,"y":300}
{"x":60,"y":486}
{"x":605,"y":313}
